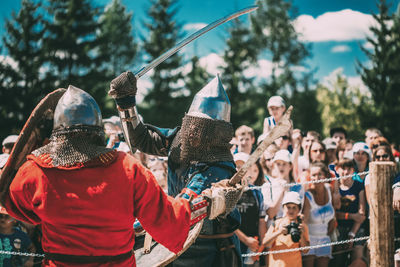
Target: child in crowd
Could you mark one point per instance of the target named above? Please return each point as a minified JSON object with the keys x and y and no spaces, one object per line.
{"x":13,"y":240}
{"x":252,"y":211}
{"x":274,"y":189}
{"x":351,"y":214}
{"x":286,"y":233}
{"x":276,"y":107}
{"x":245,"y":139}
{"x":319,"y":215}
{"x":338,"y":134}
{"x":303,"y":161}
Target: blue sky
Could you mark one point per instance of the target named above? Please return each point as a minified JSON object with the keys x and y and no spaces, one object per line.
{"x":336,"y":29}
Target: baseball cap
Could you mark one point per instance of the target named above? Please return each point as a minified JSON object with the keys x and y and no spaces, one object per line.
{"x":283,"y":155}
{"x":276,"y":101}
{"x":11,"y":139}
{"x":361,"y":146}
{"x":329,"y":143}
{"x":241,"y":156}
{"x":113,"y":120}
{"x":291,"y":197}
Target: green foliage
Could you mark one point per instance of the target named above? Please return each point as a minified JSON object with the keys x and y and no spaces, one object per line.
{"x":239,"y":55}
{"x":21,"y":84}
{"x":277,"y":39}
{"x":70,"y":43}
{"x":117,"y":48}
{"x":165,"y":95}
{"x":339,"y":103}
{"x":382,"y":75}
{"x":306,"y":114}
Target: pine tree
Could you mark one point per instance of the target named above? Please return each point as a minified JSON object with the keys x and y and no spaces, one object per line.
{"x":277,"y":38}
{"x":164,"y":33}
{"x":240,"y":54}
{"x":22,"y":85}
{"x":382,"y":76}
{"x":71,"y":42}
{"x":117,"y":50}
{"x":117,"y":47}
{"x":338,"y":104}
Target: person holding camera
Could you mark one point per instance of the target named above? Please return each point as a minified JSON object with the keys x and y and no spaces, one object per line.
{"x":287,"y":233}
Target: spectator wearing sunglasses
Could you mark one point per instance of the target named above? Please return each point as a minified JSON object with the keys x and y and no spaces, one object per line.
{"x":381,"y":153}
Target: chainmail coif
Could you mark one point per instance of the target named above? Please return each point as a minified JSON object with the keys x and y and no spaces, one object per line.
{"x":202,"y":140}
{"x":76,"y":144}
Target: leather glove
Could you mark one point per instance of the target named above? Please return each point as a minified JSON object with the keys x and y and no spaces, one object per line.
{"x":223,"y":197}
{"x":123,"y":90}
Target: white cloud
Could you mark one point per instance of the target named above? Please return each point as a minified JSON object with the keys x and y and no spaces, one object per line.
{"x":9,"y":61}
{"x":368,"y":45}
{"x":263,"y":70}
{"x":211,"y":63}
{"x":340,"y":49}
{"x":194,"y":26}
{"x":342,"y":25}
{"x":354,"y":82}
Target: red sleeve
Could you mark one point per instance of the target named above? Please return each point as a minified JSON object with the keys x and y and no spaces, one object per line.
{"x":166,"y":219}
{"x":18,"y":202}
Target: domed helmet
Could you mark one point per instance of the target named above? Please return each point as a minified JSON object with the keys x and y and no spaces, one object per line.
{"x":76,"y":107}
{"x":206,"y":131}
{"x":78,"y":135}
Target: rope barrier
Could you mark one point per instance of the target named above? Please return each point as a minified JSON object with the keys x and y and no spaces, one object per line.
{"x":326,"y":180}
{"x":309,"y":247}
{"x":14,"y":253}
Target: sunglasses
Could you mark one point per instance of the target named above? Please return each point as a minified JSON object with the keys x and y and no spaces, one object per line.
{"x":318,"y":150}
{"x":384,"y":156}
{"x":285,"y":137}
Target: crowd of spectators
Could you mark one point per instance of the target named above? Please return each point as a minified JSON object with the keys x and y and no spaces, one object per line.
{"x":285,"y":206}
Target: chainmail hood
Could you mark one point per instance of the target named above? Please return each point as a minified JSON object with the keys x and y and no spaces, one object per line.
{"x":202,"y":140}
{"x":74,"y":145}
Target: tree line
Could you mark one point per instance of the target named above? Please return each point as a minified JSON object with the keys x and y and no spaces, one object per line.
{"x":54,"y":43}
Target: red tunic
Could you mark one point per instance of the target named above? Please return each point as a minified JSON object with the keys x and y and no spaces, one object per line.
{"x":91,"y":210}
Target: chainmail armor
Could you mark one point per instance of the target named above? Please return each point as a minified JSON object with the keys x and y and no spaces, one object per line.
{"x":202,"y":140}
{"x":76,"y":144}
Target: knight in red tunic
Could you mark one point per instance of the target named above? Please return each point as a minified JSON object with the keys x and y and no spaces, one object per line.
{"x":86,"y":197}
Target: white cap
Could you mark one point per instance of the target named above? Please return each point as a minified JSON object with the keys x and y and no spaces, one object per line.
{"x":113,"y":120}
{"x":361,"y":146}
{"x":3,"y":160}
{"x":329,"y":143}
{"x":291,"y":197}
{"x":241,"y":156}
{"x":283,"y":155}
{"x":11,"y":139}
{"x":276,"y":101}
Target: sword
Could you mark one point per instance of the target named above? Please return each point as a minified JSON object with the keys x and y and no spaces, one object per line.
{"x":191,"y":38}
{"x":283,"y":126}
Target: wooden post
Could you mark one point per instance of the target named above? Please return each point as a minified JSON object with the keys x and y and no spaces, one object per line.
{"x":381,"y":214}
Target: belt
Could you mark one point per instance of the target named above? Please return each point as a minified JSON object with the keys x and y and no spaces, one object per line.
{"x":217,"y":236}
{"x":86,"y":259}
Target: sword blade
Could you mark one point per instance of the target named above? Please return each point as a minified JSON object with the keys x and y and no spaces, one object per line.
{"x":191,"y":38}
